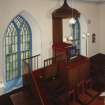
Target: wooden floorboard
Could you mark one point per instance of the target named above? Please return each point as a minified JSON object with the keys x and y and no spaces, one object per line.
{"x":5,"y":100}
{"x":24,"y":98}
{"x":19,"y":97}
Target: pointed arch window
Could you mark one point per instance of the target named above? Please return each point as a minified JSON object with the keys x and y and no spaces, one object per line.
{"x":18,"y":46}
{"x":75,"y":39}
{"x":76,"y":35}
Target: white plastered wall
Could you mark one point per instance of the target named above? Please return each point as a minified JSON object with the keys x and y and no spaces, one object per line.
{"x":102,"y":28}
{"x":41,"y":11}
{"x":91,"y":12}
{"x":84,"y":30}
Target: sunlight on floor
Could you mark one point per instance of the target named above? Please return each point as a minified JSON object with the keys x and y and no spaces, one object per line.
{"x":10,"y":85}
{"x":2,"y":86}
{"x":13,"y":84}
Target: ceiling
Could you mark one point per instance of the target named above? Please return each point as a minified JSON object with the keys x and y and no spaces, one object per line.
{"x":96,"y":1}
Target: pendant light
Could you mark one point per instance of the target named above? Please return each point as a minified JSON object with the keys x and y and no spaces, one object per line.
{"x":72,"y":19}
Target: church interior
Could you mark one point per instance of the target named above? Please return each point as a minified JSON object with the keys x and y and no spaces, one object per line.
{"x":60,"y":64}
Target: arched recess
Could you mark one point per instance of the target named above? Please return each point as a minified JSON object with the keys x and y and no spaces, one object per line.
{"x":35,"y":45}
{"x":18,"y":46}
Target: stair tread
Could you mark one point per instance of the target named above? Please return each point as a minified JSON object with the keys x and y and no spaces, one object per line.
{"x":84,"y":98}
